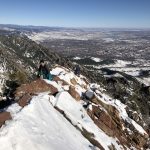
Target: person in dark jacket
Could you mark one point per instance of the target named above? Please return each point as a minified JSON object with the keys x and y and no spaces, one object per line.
{"x":43,"y":71}
{"x":77,"y":70}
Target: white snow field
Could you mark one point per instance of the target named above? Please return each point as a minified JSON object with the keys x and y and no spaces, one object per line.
{"x":40,"y":127}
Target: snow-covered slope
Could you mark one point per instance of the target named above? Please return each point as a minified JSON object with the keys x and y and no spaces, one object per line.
{"x":78,"y":116}
{"x":40,"y":127}
{"x":59,"y":121}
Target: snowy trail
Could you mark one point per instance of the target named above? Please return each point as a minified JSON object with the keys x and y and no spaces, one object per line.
{"x":40,"y":127}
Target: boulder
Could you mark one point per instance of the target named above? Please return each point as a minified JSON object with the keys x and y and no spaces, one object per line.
{"x":74,"y":93}
{"x":24,"y":100}
{"x":73,"y":81}
{"x":4,"y":116}
{"x":84,"y":86}
{"x":57,"y":79}
{"x":35,"y":87}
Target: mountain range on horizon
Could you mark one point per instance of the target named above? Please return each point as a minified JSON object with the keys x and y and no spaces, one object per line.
{"x":65,"y":27}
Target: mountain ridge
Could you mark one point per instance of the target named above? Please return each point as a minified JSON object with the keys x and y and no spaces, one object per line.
{"x":105,"y":118}
{"x":18,"y":53}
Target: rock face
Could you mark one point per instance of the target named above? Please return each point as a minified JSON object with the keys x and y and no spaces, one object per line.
{"x":74,"y":93}
{"x":108,"y":119}
{"x":24,"y":100}
{"x":73,"y":81}
{"x":136,"y":99}
{"x":4,"y":116}
{"x":35,"y":87}
{"x":25,"y":92}
{"x":57,"y":79}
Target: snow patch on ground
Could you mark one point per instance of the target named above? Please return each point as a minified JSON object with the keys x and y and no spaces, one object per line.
{"x":77,"y":58}
{"x":40,"y":127}
{"x":96,"y":59}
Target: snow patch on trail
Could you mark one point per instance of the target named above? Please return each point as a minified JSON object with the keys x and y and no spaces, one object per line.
{"x":40,"y":127}
{"x":77,"y":58}
{"x":96,"y":59}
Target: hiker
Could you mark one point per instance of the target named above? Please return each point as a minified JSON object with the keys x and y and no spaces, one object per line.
{"x":43,"y":71}
{"x":77,"y":70}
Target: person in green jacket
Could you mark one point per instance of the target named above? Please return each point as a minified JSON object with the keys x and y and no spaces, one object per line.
{"x":43,"y":71}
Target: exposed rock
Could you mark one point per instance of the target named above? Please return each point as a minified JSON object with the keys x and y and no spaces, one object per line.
{"x":90,"y":136}
{"x":85,"y":80}
{"x":73,"y":81}
{"x":34,"y":87}
{"x":111,"y":109}
{"x":103,"y":120}
{"x":107,"y":118}
{"x":84,"y":86}
{"x":57,"y":79}
{"x":74,"y":93}
{"x":112,"y":147}
{"x":130,"y":92}
{"x":24,"y":100}
{"x":4,"y":116}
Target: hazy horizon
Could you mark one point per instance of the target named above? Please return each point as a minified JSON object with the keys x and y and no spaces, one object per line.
{"x":72,"y":27}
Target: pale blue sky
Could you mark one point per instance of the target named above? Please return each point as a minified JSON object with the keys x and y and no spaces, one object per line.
{"x":76,"y":13}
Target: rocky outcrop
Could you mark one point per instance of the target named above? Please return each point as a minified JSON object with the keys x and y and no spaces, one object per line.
{"x":25,"y":92}
{"x":57,"y":79}
{"x":74,"y":93}
{"x":35,"y":87}
{"x":24,"y":100}
{"x":107,"y":118}
{"x":73,"y":81}
{"x":4,"y":116}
